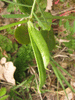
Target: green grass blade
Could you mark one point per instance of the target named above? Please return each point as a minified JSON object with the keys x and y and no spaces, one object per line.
{"x":65,"y":80}
{"x":13,"y":24}
{"x":60,"y":67}
{"x":14,"y":16}
{"x":23,"y":83}
{"x":63,"y":76}
{"x":58,"y":76}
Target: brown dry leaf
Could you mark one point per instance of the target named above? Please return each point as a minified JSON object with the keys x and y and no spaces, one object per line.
{"x":68,"y":90}
{"x":70,"y":96}
{"x":64,"y":64}
{"x":69,"y":93}
{"x":7,"y":70}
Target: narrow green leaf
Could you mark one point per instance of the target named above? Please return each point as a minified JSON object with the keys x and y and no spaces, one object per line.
{"x":4,"y":97}
{"x":39,"y":60}
{"x":2,"y":91}
{"x":41,"y":68}
{"x":21,"y":34}
{"x":15,"y":16}
{"x":13,"y":24}
{"x":40,"y":42}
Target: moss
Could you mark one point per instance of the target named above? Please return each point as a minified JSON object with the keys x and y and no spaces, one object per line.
{"x":24,"y":57}
{"x":7,"y":46}
{"x":5,"y":43}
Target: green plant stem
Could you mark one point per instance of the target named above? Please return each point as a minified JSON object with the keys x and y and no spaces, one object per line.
{"x":13,"y":24}
{"x":16,"y":3}
{"x":38,"y":20}
{"x":41,"y":12}
{"x":61,"y":17}
{"x":33,"y":8}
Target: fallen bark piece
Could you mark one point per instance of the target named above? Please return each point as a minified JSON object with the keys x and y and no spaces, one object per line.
{"x":9,"y":72}
{"x":3,"y":60}
{"x":49,"y":5}
{"x":1,"y":73}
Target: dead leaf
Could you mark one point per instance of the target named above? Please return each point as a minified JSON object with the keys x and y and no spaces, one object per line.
{"x":69,"y":94}
{"x":7,"y":70}
{"x":3,"y":60}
